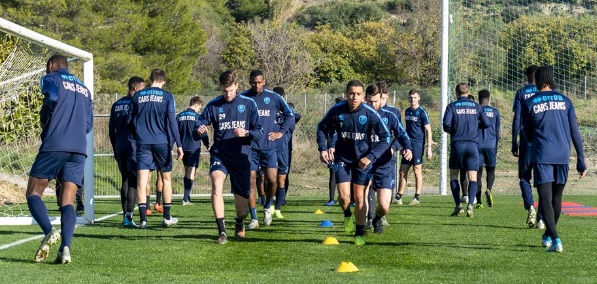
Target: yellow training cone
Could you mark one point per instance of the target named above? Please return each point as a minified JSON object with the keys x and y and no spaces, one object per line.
{"x":318,"y":211}
{"x":346,"y":267}
{"x":330,"y":241}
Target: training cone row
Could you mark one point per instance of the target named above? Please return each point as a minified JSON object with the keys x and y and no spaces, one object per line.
{"x":318,"y":211}
{"x":330,"y":241}
{"x":346,"y":267}
{"x":326,"y":224}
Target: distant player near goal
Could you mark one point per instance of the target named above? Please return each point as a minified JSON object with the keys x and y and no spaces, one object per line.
{"x":66,"y":118}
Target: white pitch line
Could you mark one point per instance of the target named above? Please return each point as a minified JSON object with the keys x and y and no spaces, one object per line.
{"x":7,"y":246}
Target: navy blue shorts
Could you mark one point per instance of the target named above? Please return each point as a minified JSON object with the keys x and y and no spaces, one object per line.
{"x":464,"y":155}
{"x":352,"y":173}
{"x":264,"y":159}
{"x":283,"y":163}
{"x":384,"y":176}
{"x":525,"y":168}
{"x":64,"y":166}
{"x":239,"y":170}
{"x":550,"y":173}
{"x":191,"y":159}
{"x":154,"y":156}
{"x":487,"y":156}
{"x":417,"y":149}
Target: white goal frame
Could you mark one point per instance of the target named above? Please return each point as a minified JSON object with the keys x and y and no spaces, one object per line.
{"x":87,"y":59}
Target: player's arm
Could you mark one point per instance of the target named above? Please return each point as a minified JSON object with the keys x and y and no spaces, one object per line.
{"x":497,"y":129}
{"x":255,"y":127}
{"x":174,"y":127}
{"x":484,"y":121}
{"x":516,"y":122}
{"x":447,"y":121}
{"x":112,"y":127}
{"x":403,"y":139}
{"x":50,"y":92}
{"x":527,"y":122}
{"x":324,"y":135}
{"x":581,"y":167}
{"x":380,"y":147}
{"x":89,"y":115}
{"x":297,"y":117}
{"x":424,"y":118}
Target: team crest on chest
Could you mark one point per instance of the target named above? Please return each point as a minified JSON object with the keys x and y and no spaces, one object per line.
{"x":266,"y":100}
{"x":362,"y":119}
{"x":385,"y":120}
{"x":221,"y":110}
{"x":241,"y":108}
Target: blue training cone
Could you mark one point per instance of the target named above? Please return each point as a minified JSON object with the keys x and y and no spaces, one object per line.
{"x":326,"y":224}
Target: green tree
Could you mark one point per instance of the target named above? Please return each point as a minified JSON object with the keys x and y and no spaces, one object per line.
{"x":244,"y":10}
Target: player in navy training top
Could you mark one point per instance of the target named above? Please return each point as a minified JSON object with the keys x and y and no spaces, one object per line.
{"x":297,"y":118}
{"x":382,"y":179}
{"x":283,"y":156}
{"x":353,"y":122}
{"x":462,"y":120}
{"x":190,"y":144}
{"x":264,"y":155}
{"x":418,"y":128}
{"x":123,"y":146}
{"x":236,"y":126}
{"x":488,"y":145}
{"x":549,"y":122}
{"x":66,"y":118}
{"x":523,"y":151}
{"x":154,"y":114}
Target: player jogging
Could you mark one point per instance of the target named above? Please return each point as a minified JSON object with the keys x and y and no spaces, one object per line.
{"x":66,"y":118}
{"x":382,"y":176}
{"x":462,"y":120}
{"x":154,"y":116}
{"x":190,"y":144}
{"x":550,"y":123}
{"x":354,"y":122}
{"x":488,"y":145}
{"x":123,"y":145}
{"x":418,"y":128}
{"x":236,"y":124}
{"x":264,"y":155}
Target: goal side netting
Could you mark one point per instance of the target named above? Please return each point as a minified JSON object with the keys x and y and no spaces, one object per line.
{"x":22,"y":66}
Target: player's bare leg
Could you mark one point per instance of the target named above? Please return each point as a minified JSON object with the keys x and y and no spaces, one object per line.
{"x":217,"y":203}
{"x":402,"y":180}
{"x":344,"y":193}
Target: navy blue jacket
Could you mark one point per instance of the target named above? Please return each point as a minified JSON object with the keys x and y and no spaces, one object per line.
{"x":395,"y":145}
{"x":416,"y":119}
{"x":490,"y":136}
{"x":269,"y":104}
{"x":398,"y":133}
{"x":462,"y":120}
{"x":225,"y":116}
{"x":121,"y":137}
{"x":354,"y":130}
{"x":67,"y":112}
{"x":283,"y":144}
{"x":190,"y":138}
{"x":549,"y":123}
{"x":154,"y":117}
{"x":520,"y":97}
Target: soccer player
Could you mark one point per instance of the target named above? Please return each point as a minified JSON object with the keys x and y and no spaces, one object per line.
{"x":66,"y":117}
{"x":190,"y":143}
{"x":550,"y":123}
{"x":523,"y":151}
{"x":418,"y":128}
{"x":488,"y":145}
{"x":264,"y":154}
{"x":154,"y":116}
{"x":123,"y":145}
{"x":354,"y":123}
{"x":382,"y":179}
{"x":462,"y":120}
{"x":297,"y":118}
{"x":332,"y":170}
{"x":236,"y":124}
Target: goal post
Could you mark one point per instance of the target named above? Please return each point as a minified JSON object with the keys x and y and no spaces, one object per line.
{"x":55,"y":46}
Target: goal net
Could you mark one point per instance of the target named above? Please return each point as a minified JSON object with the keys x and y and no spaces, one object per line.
{"x":23,"y":57}
{"x":491,"y":43}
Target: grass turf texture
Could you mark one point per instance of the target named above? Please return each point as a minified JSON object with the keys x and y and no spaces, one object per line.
{"x":423,"y":243}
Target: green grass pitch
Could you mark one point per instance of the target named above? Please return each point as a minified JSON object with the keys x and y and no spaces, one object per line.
{"x":423,"y":244}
